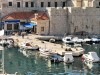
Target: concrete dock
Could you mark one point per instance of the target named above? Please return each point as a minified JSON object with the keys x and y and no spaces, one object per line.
{"x":58,"y":48}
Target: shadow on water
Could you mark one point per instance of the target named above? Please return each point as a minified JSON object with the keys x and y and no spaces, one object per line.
{"x":37,"y":65}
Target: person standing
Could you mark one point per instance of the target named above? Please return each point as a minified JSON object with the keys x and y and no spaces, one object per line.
{"x":23,"y":36}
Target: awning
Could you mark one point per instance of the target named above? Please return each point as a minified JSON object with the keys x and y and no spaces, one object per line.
{"x":12,"y":21}
{"x":1,"y":23}
{"x":29,"y":24}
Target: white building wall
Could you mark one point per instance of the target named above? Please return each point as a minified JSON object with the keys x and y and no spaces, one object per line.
{"x":45,"y":24}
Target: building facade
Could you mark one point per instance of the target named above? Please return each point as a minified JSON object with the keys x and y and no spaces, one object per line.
{"x":58,"y":16}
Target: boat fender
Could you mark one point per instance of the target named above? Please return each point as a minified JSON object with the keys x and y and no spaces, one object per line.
{"x":82,"y":58}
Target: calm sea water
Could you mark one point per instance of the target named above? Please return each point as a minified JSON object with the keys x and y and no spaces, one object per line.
{"x":37,"y":65}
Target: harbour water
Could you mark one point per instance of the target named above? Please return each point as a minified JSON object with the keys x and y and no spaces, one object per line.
{"x":34,"y":64}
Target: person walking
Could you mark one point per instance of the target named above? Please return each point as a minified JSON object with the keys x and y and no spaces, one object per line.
{"x":23,"y":36}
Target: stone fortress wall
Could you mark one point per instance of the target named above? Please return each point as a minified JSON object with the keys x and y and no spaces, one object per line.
{"x":70,"y":20}
{"x":87,"y":19}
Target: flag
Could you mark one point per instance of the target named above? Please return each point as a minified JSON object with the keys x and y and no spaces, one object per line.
{"x":2,"y":32}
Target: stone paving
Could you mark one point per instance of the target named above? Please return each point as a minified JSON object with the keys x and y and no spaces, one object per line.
{"x":58,"y":48}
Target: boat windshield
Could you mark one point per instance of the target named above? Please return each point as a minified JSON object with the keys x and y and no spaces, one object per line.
{"x":68,"y":39}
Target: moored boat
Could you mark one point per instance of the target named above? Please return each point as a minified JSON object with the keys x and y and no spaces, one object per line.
{"x":77,"y":40}
{"x":68,"y":57}
{"x":6,"y":42}
{"x":56,"y":58}
{"x":91,"y":56}
{"x":28,"y":46}
{"x":88,"y":41}
{"x":68,"y":40}
{"x":45,"y":52}
{"x":95,"y":40}
{"x":76,"y":51}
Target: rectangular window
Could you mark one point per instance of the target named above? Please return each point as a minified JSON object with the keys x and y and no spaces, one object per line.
{"x":42,"y":29}
{"x":42,"y":4}
{"x":99,"y":3}
{"x":10,"y":3}
{"x":55,"y":4}
{"x":16,"y":26}
{"x":32,"y":4}
{"x":49,"y":4}
{"x":26,"y":4}
{"x":21,"y":23}
{"x":9,"y":26}
{"x":18,"y":4}
{"x":63,"y":4}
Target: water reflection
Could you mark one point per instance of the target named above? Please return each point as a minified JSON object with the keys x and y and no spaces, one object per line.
{"x":34,"y":64}
{"x":93,"y":68}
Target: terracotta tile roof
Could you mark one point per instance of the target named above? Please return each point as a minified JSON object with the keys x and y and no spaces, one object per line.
{"x":41,"y":15}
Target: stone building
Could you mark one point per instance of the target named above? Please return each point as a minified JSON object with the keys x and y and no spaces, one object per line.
{"x":53,"y":17}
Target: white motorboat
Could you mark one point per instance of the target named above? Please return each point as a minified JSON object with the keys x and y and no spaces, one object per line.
{"x":68,"y":57}
{"x":77,"y":40}
{"x":91,"y":56}
{"x":68,"y":40}
{"x":56,"y":58}
{"x":76,"y":51}
{"x":45,"y":52}
{"x":87,"y":40}
{"x":78,"y":47}
{"x":28,"y":46}
{"x":95,"y":40}
{"x":6,"y":42}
